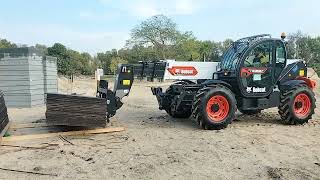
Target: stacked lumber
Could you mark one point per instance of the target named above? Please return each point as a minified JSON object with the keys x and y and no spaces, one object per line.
{"x":73,"y":110}
{"x":4,"y":120}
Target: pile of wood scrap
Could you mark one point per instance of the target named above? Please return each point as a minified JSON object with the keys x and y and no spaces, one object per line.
{"x":73,"y":110}
{"x":4,"y":120}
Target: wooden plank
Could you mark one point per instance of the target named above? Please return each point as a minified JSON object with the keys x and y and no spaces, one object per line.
{"x":29,"y":147}
{"x":28,"y":125}
{"x":69,"y":133}
{"x":28,"y":172}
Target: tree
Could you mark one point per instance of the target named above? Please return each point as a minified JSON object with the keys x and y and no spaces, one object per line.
{"x":206,"y":48}
{"x":188,"y":50}
{"x":105,"y":60}
{"x":158,"y":31}
{"x":216,"y":51}
{"x":115,"y":61}
{"x":42,"y":48}
{"x":225,"y":45}
{"x":292,"y":52}
{"x":301,"y":46}
{"x":138,"y":53}
{"x":7,"y":44}
{"x":72,"y":62}
{"x":60,"y":52}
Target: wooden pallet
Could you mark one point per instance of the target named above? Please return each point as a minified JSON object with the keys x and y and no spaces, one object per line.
{"x":72,"y":110}
{"x":4,"y":119}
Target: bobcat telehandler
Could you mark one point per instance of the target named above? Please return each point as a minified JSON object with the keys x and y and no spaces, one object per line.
{"x":253,"y":74}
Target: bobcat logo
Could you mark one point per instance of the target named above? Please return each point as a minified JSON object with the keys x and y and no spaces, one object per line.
{"x":256,"y":90}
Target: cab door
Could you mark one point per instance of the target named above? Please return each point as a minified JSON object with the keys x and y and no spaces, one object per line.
{"x":256,"y":72}
{"x":280,"y":59}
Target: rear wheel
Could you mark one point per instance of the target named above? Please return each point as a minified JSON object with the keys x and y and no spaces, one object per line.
{"x":214,"y":107}
{"x":297,"y":105}
{"x":250,"y":112}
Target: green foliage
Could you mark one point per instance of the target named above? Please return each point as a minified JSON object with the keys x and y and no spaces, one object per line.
{"x":316,"y":67}
{"x":225,"y":44}
{"x":42,"y":48}
{"x":138,"y":53}
{"x":72,"y":62}
{"x":115,"y":61}
{"x":7,"y":44}
{"x":159,"y":31}
{"x":206,"y":49}
{"x":301,"y":46}
{"x":60,"y":52}
{"x":158,"y":38}
{"x":188,"y":49}
{"x":104,"y":60}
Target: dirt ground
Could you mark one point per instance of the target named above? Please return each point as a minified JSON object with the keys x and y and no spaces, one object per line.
{"x":156,"y":146}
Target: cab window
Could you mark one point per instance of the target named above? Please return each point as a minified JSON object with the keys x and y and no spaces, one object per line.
{"x":280,"y":59}
{"x":260,"y":56}
{"x":280,"y":53}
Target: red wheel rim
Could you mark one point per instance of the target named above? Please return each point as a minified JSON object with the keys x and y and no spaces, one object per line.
{"x":217,"y":108}
{"x":302,"y":105}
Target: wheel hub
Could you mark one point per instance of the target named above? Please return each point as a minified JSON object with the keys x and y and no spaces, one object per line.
{"x":298,"y":105}
{"x":217,"y":108}
{"x":302,"y":105}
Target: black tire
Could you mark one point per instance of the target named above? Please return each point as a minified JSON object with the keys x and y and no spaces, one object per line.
{"x":201,"y":99}
{"x":288,"y":104}
{"x":250,"y":112}
{"x":169,"y":96}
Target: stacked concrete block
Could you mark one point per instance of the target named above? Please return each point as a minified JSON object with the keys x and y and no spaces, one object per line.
{"x":25,"y":79}
{"x":50,"y":74}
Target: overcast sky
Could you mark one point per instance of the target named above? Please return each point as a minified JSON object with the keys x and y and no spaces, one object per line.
{"x":100,"y":25}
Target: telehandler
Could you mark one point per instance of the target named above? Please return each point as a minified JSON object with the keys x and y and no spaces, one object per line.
{"x":254,"y":74}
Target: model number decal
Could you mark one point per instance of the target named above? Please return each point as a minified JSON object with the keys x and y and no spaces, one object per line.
{"x":183,"y":71}
{"x":246,"y":72}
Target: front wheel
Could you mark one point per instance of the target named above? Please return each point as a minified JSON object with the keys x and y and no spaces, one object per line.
{"x":214,"y":107}
{"x":297,"y":105}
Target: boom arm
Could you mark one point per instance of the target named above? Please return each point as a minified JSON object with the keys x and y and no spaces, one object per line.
{"x":162,"y":70}
{"x":175,"y":70}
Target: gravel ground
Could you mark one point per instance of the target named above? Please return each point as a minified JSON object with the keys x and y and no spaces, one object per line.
{"x":156,"y":146}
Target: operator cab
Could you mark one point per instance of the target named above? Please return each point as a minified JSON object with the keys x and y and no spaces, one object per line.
{"x":253,"y":65}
